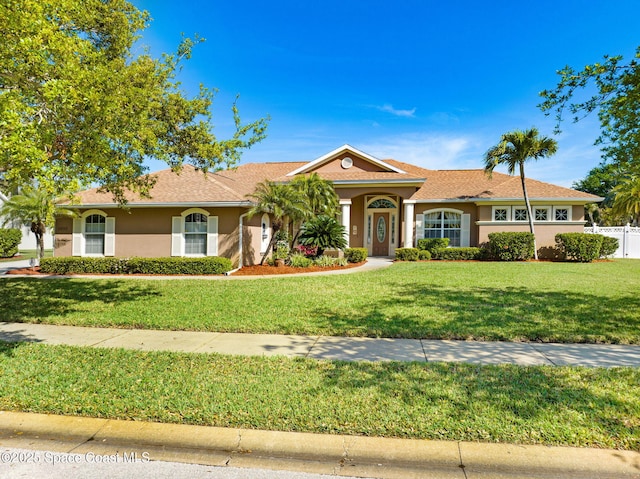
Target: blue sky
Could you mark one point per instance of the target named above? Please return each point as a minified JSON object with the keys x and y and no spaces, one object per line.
{"x":434,"y":83}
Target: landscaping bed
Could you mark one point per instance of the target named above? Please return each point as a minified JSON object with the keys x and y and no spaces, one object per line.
{"x":257,"y":270}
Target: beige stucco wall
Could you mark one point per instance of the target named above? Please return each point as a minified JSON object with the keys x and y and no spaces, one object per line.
{"x":146,"y":232}
{"x":359,"y":164}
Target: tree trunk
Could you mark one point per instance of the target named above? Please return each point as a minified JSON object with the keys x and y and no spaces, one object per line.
{"x":529,"y":215}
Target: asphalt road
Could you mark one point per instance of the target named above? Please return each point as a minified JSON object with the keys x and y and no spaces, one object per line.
{"x":24,"y":463}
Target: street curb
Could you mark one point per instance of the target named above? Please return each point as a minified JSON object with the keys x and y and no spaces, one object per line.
{"x":319,"y":453}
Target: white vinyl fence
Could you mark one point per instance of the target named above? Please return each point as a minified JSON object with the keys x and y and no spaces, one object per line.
{"x":628,"y":238}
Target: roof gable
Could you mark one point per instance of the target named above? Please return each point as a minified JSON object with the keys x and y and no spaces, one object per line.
{"x":362,"y":162}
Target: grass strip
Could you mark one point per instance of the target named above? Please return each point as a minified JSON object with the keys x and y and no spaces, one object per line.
{"x":529,"y":405}
{"x":550,"y":302}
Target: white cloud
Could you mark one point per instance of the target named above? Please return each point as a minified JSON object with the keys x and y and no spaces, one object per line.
{"x":403,"y":113}
{"x":438,"y":151}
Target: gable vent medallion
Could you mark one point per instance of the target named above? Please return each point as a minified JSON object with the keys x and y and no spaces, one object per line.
{"x":347,"y":163}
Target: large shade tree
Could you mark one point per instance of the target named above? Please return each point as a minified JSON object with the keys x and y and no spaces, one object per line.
{"x":610,"y":88}
{"x":79,"y":106}
{"x":513,"y":151}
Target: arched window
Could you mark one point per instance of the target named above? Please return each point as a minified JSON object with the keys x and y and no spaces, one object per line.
{"x":195,"y":234}
{"x":443,"y":224}
{"x":94,"y":233}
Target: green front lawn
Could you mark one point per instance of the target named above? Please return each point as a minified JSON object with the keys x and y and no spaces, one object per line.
{"x":564,"y":302}
{"x":530,"y":405}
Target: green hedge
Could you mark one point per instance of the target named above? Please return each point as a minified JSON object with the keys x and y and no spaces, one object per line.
{"x":582,"y":247}
{"x":433,"y":245}
{"x":511,"y":246}
{"x":609,"y":246}
{"x":356,"y":255}
{"x":424,"y":255}
{"x":460,"y":254}
{"x":186,"y":266}
{"x":9,"y":240}
{"x":407,"y":254}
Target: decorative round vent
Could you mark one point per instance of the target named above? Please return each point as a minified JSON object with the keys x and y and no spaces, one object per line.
{"x":347,"y":163}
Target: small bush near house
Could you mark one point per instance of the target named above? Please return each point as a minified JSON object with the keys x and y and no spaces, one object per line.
{"x":424,"y":255}
{"x":582,"y":247}
{"x":609,"y":246}
{"x":511,"y":246}
{"x":407,"y":254}
{"x":433,"y":245}
{"x":326,"y":261}
{"x":457,"y":254}
{"x":299,"y":260}
{"x":187,"y":266}
{"x":9,"y":240}
{"x":308,"y":251}
{"x":356,"y":255}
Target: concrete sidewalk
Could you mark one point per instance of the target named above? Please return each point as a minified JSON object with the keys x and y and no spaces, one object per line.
{"x":329,"y":347}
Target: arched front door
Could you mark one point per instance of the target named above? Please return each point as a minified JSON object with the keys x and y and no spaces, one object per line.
{"x":381,"y":234}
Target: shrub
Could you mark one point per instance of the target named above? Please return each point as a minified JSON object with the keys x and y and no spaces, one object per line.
{"x":609,"y":246}
{"x":433,"y":245}
{"x":308,"y":251}
{"x":356,"y":255}
{"x":9,"y":240}
{"x":407,"y":254}
{"x":424,"y":255}
{"x":458,"y":254}
{"x":324,"y":233}
{"x":326,"y":261}
{"x":299,"y":260}
{"x":188,"y":266}
{"x":582,"y":247}
{"x":511,"y":246}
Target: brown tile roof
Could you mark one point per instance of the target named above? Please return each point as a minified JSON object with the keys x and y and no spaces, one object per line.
{"x":468,"y":184}
{"x":192,"y":186}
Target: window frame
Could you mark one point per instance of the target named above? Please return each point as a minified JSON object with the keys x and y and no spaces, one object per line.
{"x":555,"y":213}
{"x":496,"y":208}
{"x":442,"y":228}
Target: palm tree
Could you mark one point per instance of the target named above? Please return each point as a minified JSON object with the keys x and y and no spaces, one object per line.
{"x":323,"y":199}
{"x":514,"y":149}
{"x":282,"y":202}
{"x":34,"y":207}
{"x":626,"y":201}
{"x":323,"y":232}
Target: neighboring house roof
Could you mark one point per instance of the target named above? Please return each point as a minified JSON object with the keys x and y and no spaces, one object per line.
{"x":231,"y":187}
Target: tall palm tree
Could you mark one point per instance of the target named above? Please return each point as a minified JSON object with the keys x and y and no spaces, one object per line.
{"x":34,"y":207}
{"x":280,"y":201}
{"x":516,"y":148}
{"x":626,"y":201}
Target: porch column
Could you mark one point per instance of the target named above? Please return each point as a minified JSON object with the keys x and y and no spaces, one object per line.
{"x":409,"y":208}
{"x":346,"y":218}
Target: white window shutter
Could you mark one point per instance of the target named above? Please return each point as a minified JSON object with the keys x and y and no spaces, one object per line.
{"x":465,"y":230}
{"x":110,"y":236}
{"x":419,"y":228}
{"x":77,"y":238}
{"x":176,"y":236}
{"x":212,"y":236}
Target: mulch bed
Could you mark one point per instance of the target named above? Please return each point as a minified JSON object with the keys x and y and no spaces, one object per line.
{"x":258,"y":270}
{"x":28,"y":270}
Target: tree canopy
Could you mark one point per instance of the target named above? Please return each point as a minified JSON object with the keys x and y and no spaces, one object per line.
{"x":616,"y":99}
{"x":79,"y":108}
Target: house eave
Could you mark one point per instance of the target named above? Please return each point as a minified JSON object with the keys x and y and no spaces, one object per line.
{"x":368,"y":183}
{"x":324,"y":158}
{"x":499,"y":201}
{"x":185,"y":204}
